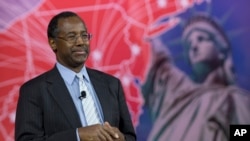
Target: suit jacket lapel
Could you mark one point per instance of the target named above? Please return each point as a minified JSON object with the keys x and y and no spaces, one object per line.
{"x":60,"y":93}
{"x":102,"y":91}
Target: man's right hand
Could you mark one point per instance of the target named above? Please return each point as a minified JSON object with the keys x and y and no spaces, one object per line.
{"x":97,"y":132}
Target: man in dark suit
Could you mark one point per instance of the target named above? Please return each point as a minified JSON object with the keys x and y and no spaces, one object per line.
{"x":49,"y":107}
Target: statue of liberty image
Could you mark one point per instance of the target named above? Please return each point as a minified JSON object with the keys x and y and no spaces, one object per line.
{"x":200,"y":107}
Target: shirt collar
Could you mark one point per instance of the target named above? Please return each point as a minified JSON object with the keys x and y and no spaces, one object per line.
{"x":68,"y":75}
{"x":85,"y":73}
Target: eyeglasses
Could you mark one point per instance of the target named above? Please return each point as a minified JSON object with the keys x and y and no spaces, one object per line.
{"x":71,"y":38}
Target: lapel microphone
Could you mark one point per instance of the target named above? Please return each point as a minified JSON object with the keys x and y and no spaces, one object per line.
{"x":83,"y":95}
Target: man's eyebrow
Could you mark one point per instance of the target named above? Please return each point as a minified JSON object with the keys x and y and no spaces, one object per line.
{"x":72,"y":32}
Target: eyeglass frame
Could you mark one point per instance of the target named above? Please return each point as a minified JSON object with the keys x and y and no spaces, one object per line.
{"x":73,"y":38}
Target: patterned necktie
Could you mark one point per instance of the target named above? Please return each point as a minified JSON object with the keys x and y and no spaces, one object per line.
{"x":88,"y":104}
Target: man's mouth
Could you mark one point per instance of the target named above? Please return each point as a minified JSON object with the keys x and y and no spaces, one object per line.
{"x":80,"y":51}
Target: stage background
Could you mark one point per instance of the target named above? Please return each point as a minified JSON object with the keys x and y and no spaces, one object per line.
{"x":119,"y":47}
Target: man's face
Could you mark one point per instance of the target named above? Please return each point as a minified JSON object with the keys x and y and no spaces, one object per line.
{"x":71,"y":54}
{"x":201,"y":48}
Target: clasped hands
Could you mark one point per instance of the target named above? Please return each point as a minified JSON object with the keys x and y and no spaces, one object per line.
{"x":100,"y":132}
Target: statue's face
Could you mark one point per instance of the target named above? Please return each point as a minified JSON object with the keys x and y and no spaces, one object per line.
{"x":202,"y":48}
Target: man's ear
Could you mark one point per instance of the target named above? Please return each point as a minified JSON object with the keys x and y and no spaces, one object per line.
{"x":52,"y":44}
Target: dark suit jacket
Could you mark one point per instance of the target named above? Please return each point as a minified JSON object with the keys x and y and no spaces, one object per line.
{"x":46,"y":111}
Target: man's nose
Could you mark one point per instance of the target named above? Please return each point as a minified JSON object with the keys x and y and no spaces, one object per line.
{"x":80,"y":41}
